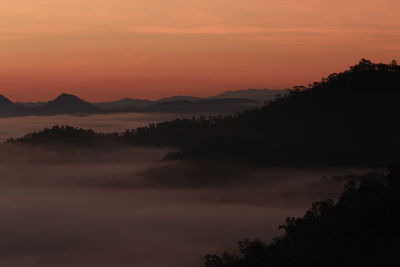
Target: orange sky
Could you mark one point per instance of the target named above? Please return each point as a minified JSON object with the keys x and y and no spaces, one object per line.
{"x":110,"y":49}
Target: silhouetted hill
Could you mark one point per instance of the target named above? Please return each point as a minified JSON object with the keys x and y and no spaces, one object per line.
{"x":30,"y":104}
{"x":67,"y":104}
{"x":360,"y":230}
{"x":136,"y":105}
{"x":228,"y":102}
{"x":189,"y":104}
{"x":8,"y":108}
{"x":347,"y":118}
{"x":67,"y":136}
{"x":206,"y":106}
{"x":260,"y":95}
{"x":4,"y":101}
{"x":123,"y":104}
{"x":179,"y":98}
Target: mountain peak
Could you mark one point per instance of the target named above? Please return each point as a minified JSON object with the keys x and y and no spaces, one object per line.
{"x":67,"y":103}
{"x":5,"y":101}
{"x":67,"y":97}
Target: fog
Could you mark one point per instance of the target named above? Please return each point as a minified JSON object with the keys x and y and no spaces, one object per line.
{"x":127,"y":207}
{"x":19,"y":126}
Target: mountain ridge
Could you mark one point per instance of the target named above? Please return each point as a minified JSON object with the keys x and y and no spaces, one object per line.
{"x":204,"y":106}
{"x":70,"y":104}
{"x":342,"y":120}
{"x":5,"y":101}
{"x":67,"y":103}
{"x":260,"y":95}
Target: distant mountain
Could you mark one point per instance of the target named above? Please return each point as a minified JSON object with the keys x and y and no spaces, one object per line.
{"x":4,"y":101}
{"x":205,"y":106}
{"x":136,"y":105}
{"x":231,"y":101}
{"x":30,"y":104}
{"x":260,"y":95}
{"x":348,"y":118}
{"x":124,"y":104}
{"x":178,"y":98}
{"x":8,"y":108}
{"x":228,"y":102}
{"x":67,"y":104}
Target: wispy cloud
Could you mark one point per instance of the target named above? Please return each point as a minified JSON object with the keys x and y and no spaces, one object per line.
{"x":259,"y":30}
{"x":216,"y":30}
{"x":20,"y":36}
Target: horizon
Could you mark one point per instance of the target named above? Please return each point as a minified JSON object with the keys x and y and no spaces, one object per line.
{"x":199,"y":133}
{"x":152,"y":49}
{"x":91,"y":99}
{"x":137,"y":98}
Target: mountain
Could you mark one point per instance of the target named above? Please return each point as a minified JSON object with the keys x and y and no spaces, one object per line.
{"x":182,"y":105}
{"x":30,"y":104}
{"x":205,"y":106}
{"x":137,"y":105}
{"x":8,"y":108}
{"x":228,"y":102}
{"x":124,"y":104}
{"x":67,"y":104}
{"x":348,"y":118}
{"x":179,"y":98}
{"x":4,"y":101}
{"x":260,"y":95}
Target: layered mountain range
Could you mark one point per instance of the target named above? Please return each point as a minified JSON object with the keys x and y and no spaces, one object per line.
{"x":231,"y":101}
{"x":348,"y":118}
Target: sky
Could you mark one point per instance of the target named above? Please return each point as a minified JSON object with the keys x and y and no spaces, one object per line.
{"x":103,"y":50}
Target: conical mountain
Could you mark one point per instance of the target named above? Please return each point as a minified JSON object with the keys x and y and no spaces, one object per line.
{"x":4,"y":101}
{"x":67,"y":104}
{"x":8,"y":108}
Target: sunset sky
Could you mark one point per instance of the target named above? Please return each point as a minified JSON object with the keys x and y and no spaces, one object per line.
{"x":102,"y":49}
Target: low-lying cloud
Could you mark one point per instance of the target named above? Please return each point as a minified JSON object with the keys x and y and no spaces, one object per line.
{"x":18,"y":126}
{"x":127,"y":207}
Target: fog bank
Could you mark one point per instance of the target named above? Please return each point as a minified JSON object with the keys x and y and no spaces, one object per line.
{"x":126,"y":207}
{"x":19,"y":126}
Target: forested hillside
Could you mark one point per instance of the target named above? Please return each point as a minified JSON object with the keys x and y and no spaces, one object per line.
{"x":346,"y":118}
{"x":359,"y":230}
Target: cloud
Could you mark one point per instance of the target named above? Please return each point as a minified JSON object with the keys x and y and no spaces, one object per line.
{"x":201,"y":17}
{"x":216,"y":30}
{"x":19,"y":126}
{"x":260,"y":30}
{"x":92,"y":208}
{"x":17,"y":36}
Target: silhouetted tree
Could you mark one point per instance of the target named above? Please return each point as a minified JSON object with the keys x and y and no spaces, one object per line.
{"x":347,"y":118}
{"x":360,"y":230}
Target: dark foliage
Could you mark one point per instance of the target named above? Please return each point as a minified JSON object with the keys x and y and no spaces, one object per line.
{"x":65,"y":135}
{"x":361,"y":229}
{"x":346,"y":118}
